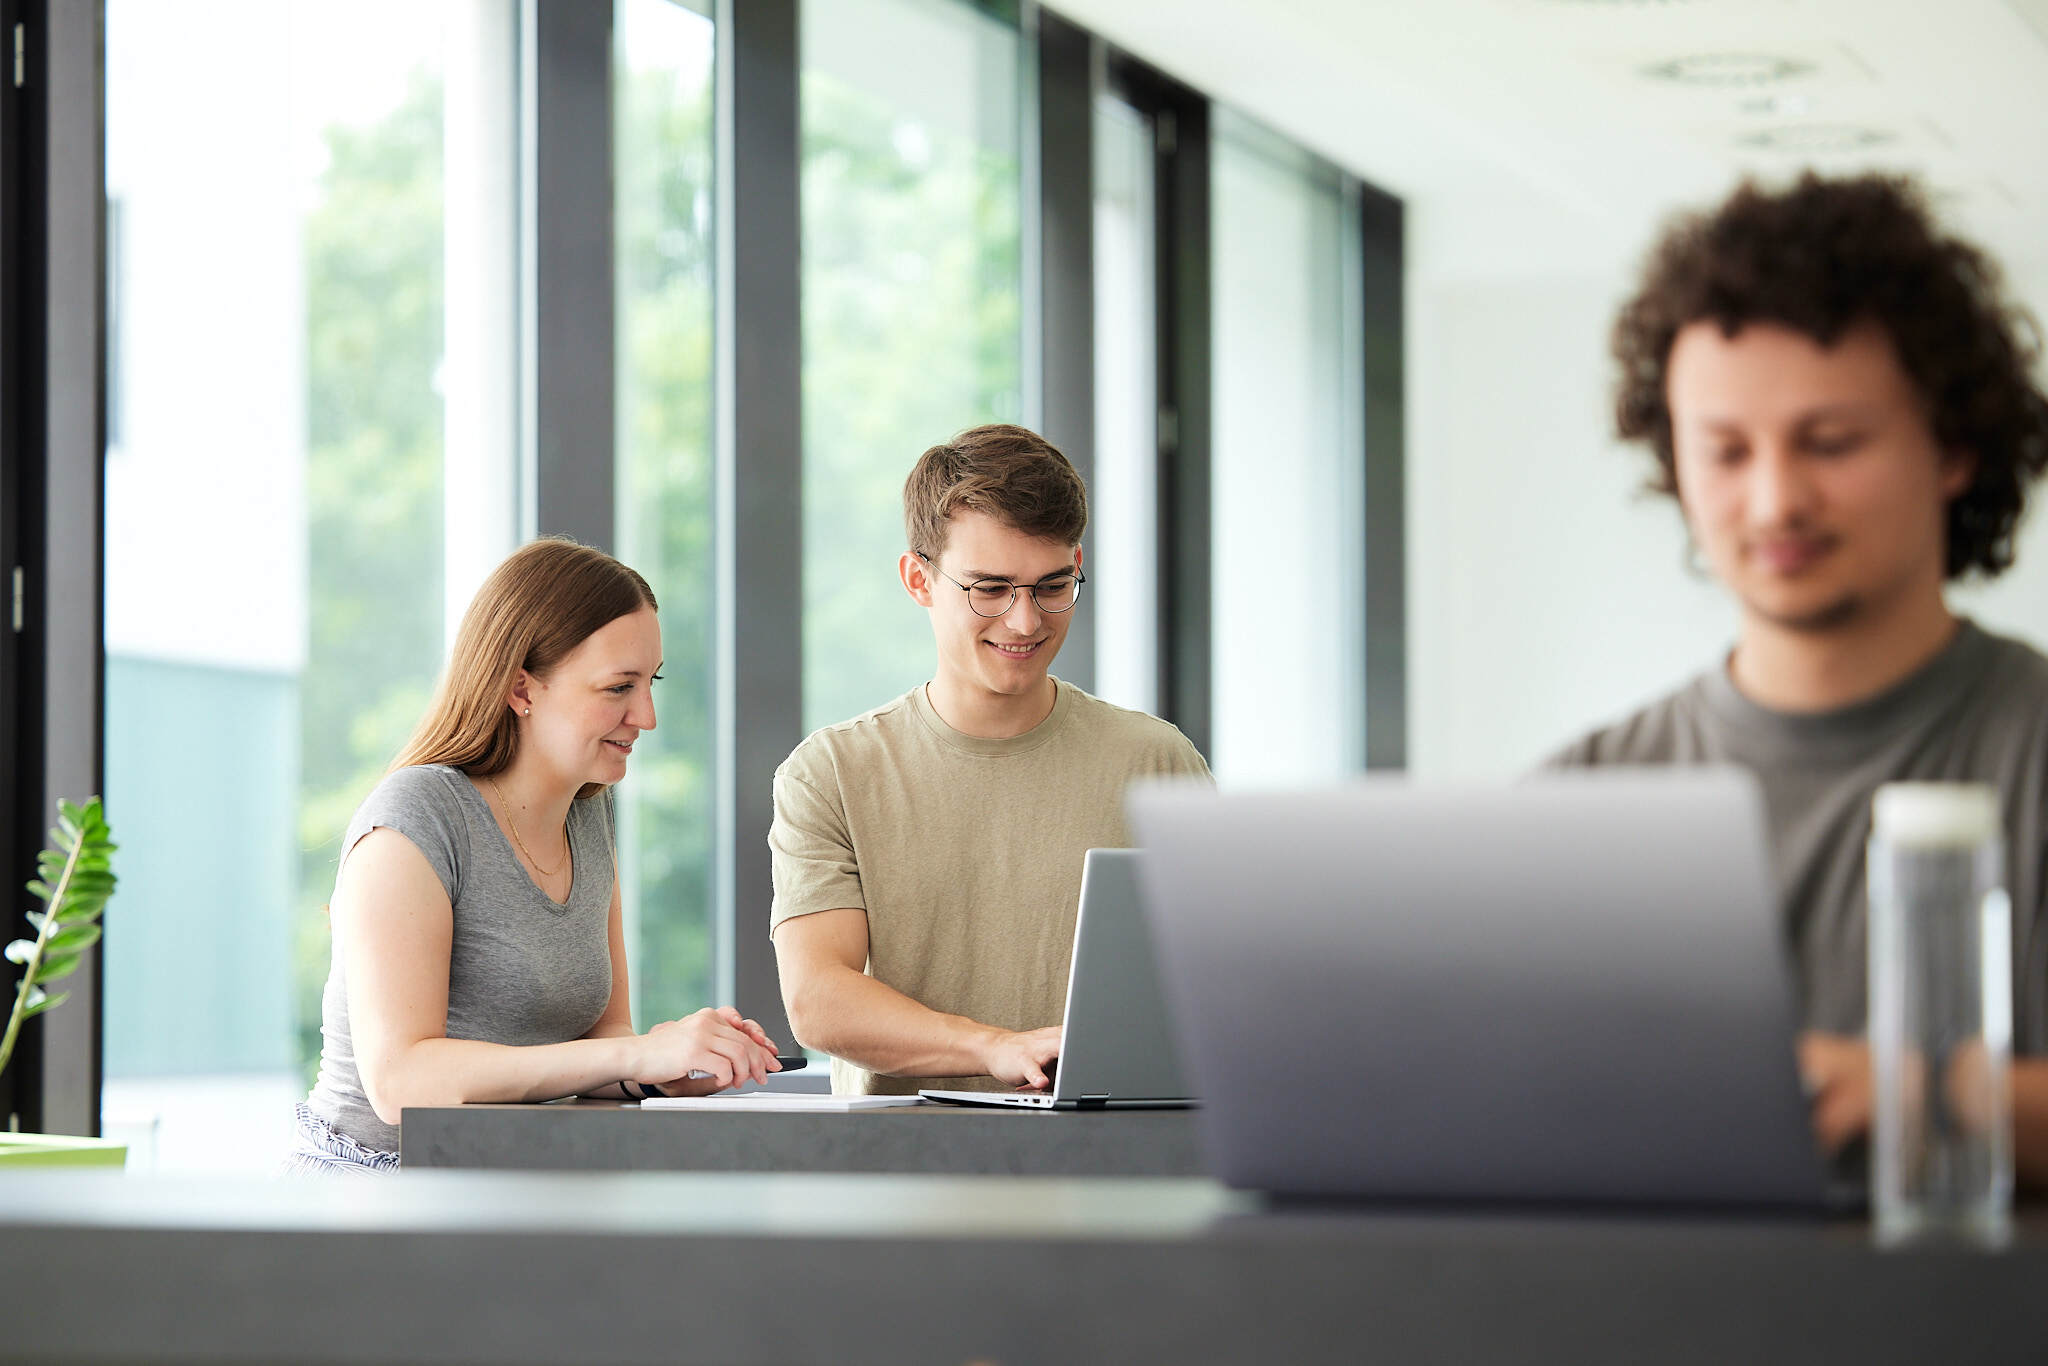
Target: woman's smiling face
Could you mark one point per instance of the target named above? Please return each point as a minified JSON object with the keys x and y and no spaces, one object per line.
{"x":588,"y":712}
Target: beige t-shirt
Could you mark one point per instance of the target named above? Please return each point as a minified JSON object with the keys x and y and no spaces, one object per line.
{"x":965,"y":852}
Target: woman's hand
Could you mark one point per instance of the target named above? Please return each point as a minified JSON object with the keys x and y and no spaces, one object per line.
{"x":720,"y":1042}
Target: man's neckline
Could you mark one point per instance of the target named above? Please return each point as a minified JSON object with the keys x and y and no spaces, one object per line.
{"x":921,"y":706}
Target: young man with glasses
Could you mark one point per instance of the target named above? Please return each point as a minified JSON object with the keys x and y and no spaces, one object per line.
{"x":1841,"y":399}
{"x":928,"y":854}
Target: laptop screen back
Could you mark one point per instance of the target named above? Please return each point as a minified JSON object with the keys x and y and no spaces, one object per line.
{"x":1117,"y":1042}
{"x":1572,"y":988}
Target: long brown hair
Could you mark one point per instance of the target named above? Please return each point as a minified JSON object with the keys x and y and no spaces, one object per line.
{"x":548,"y":597}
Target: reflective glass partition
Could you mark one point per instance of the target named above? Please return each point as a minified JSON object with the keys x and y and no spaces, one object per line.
{"x":300,"y":474}
{"x":1124,"y":503}
{"x":912,"y":306}
{"x":1287,"y":471}
{"x":662,"y":102}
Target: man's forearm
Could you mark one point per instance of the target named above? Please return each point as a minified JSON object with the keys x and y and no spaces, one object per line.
{"x":852,"y":1016}
{"x":2030,"y":1122}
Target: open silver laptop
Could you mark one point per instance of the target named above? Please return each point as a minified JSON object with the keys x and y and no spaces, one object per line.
{"x":1116,"y":1044}
{"x":1574,"y":988}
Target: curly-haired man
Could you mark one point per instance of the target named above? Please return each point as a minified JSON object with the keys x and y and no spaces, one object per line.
{"x":1838,"y":395}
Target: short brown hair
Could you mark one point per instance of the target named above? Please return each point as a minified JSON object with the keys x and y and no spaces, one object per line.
{"x":1820,"y":257}
{"x":547,"y":598}
{"x":1011,"y":473}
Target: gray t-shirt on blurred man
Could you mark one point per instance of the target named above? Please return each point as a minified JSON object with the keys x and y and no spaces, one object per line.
{"x":1977,"y":712}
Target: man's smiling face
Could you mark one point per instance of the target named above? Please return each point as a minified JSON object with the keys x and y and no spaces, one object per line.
{"x":1007,"y":655}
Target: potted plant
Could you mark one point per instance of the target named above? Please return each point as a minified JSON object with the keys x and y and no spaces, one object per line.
{"x":74,"y":878}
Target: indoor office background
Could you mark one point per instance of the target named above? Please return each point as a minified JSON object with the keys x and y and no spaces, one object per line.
{"x":388,"y":289}
{"x":1316,"y":293}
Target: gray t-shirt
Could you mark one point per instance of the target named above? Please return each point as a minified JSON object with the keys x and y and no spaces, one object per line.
{"x":522,"y":968}
{"x":1977,"y":712}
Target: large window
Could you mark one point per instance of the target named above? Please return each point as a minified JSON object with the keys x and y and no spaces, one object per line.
{"x":662,"y":167}
{"x":1125,"y":499}
{"x":282,"y":502}
{"x":1287,"y":477}
{"x":912,"y":306}
{"x":329,"y":254}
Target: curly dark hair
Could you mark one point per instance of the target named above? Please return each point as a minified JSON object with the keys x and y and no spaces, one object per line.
{"x":1821,"y":257}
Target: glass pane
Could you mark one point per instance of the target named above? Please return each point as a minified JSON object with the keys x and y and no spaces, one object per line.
{"x":911,"y":306}
{"x":284,"y":516}
{"x":663,"y":186}
{"x":1288,"y":465}
{"x":1123,"y":576}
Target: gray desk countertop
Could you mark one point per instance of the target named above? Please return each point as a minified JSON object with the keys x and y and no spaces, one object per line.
{"x":598,"y":1135}
{"x":473,"y":1267}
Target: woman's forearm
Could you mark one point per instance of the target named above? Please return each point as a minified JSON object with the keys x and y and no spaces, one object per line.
{"x":458,"y":1071}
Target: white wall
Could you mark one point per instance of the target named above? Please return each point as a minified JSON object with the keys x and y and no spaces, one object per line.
{"x":1545,"y":594}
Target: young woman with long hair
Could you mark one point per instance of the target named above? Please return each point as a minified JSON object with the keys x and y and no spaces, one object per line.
{"x":478,"y":948}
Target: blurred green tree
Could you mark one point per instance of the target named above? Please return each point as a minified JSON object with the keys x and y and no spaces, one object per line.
{"x":373,"y":271}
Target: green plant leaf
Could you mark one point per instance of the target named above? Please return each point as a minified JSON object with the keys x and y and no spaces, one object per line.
{"x":54,"y":968}
{"x":39,"y":1001}
{"x":76,"y":878}
{"x":74,"y":939}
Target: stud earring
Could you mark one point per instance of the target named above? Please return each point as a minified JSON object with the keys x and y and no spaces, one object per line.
{"x":527,"y":712}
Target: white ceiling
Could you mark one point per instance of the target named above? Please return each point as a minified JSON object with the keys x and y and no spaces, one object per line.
{"x":1528,"y":139}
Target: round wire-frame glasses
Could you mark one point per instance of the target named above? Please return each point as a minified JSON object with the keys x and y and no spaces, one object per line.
{"x":1055,"y":593}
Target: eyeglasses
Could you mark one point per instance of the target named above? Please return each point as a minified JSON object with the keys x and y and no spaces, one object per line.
{"x":993,"y":597}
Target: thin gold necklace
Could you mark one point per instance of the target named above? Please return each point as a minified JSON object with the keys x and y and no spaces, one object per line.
{"x":513,"y":826}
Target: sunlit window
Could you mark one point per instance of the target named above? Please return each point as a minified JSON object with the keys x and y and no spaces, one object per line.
{"x":1125,"y":500}
{"x":1288,"y":509}
{"x":286,"y":507}
{"x":664,"y":254}
{"x":912,"y":306}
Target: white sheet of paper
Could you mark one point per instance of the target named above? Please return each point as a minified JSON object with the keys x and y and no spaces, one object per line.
{"x":779,"y":1100}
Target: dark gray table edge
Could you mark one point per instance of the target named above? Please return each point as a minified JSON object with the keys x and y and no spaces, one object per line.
{"x":934,"y":1139}
{"x":427,"y":1272}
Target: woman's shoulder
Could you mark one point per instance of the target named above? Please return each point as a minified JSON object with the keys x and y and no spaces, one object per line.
{"x":428,"y":805}
{"x":421,"y":787}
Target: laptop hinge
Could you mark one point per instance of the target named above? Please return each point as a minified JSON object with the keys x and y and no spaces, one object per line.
{"x":1098,"y":1101}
